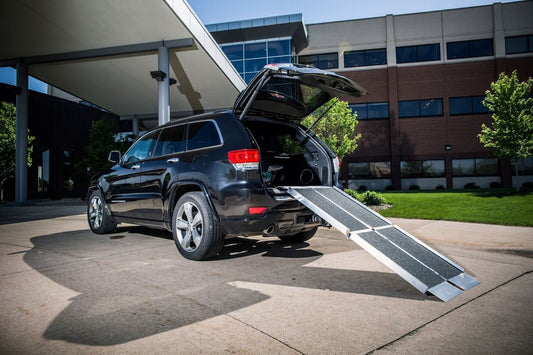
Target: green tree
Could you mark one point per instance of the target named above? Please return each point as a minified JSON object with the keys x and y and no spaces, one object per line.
{"x":102,"y":140}
{"x":8,"y":125}
{"x":336,"y":128}
{"x":511,"y":135}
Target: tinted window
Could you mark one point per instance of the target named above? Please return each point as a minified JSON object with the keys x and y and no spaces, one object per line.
{"x":321,"y":61}
{"x":428,"y":52}
{"x":432,"y":107}
{"x":233,"y":52}
{"x":370,"y":170}
{"x":466,"y":49}
{"x":460,"y":105}
{"x":516,"y":45}
{"x":276,"y":48}
{"x":406,"y":54}
{"x":472,"y":167}
{"x":255,"y":50}
{"x":409,"y":108}
{"x":371,"y":111}
{"x":361,"y":111}
{"x":365,"y":58}
{"x":519,"y":44}
{"x":171,"y":140}
{"x":202,"y":134}
{"x":142,"y":149}
{"x":467,"y":105}
{"x":422,"y":168}
{"x":420,"y":108}
{"x":254,"y":65}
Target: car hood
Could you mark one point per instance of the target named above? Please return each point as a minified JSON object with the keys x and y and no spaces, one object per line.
{"x":291,"y":92}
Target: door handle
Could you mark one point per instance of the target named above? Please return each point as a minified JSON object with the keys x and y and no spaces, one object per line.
{"x":173,"y":160}
{"x":136,"y":166}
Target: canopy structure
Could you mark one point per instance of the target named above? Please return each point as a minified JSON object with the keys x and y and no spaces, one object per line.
{"x":103,"y":51}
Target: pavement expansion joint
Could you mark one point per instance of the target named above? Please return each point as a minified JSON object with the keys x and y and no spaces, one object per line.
{"x":450,"y":311}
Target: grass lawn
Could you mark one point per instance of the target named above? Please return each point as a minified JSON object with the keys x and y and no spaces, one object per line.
{"x":492,"y":206}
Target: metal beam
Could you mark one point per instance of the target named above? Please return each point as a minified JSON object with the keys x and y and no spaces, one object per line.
{"x":163,"y":115}
{"x":21,"y":141}
{"x":183,"y":43}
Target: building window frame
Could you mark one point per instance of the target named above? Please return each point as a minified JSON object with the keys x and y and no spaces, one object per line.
{"x":320,"y":61}
{"x":417,"y":52}
{"x":476,"y":169}
{"x":363,"y":112}
{"x":421,"y":107}
{"x":434,"y":168}
{"x":528,"y":44}
{"x":469,"y":48}
{"x":473,"y":102}
{"x":373,"y":170}
{"x":368,"y":56}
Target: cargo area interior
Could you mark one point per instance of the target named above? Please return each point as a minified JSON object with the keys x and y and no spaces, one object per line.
{"x":289,"y":157}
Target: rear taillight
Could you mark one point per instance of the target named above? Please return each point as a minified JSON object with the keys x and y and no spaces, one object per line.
{"x":244,"y":159}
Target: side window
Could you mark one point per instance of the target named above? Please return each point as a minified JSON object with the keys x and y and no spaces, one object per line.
{"x":142,"y":149}
{"x":202,"y":135}
{"x":171,"y":140}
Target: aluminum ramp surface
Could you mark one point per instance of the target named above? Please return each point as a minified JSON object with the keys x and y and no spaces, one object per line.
{"x":420,"y":265}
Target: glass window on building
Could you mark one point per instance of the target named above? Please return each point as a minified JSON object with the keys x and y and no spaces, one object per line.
{"x":365,"y":57}
{"x":469,"y":49}
{"x":420,"y":108}
{"x":422,"y":168}
{"x":519,"y":44}
{"x":467,"y":105}
{"x":475,"y":167}
{"x":321,"y":61}
{"x":369,"y":111}
{"x":525,"y":166}
{"x":421,"y":53}
{"x":249,"y":58}
{"x":369,"y":170}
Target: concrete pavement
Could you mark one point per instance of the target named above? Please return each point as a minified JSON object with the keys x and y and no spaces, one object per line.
{"x":64,"y":289}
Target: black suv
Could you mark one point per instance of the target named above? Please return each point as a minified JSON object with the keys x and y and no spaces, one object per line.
{"x":225,"y":173}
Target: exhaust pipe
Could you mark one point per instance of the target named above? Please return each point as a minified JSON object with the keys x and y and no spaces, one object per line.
{"x":269,"y":230}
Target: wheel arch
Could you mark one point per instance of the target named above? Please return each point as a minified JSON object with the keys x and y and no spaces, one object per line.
{"x":178,"y":190}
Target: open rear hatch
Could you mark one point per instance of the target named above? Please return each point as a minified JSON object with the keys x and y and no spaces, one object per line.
{"x":291,"y":92}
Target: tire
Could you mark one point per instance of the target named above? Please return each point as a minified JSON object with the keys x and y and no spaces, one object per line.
{"x":98,"y":216}
{"x":196,"y":233}
{"x":299,"y":237}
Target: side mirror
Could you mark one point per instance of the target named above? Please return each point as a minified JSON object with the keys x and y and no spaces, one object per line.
{"x":114,"y":156}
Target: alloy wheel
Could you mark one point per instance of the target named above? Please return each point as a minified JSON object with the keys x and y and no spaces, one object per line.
{"x":189,"y":226}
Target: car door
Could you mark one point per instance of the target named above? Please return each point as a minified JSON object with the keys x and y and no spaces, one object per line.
{"x":158,"y":172}
{"x":125,"y":180}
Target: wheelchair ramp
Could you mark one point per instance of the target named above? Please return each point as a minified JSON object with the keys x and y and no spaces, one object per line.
{"x":420,"y":265}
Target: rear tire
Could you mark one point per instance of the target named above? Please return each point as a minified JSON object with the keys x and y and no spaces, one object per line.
{"x":98,"y":215}
{"x":299,"y":237}
{"x":196,"y":233}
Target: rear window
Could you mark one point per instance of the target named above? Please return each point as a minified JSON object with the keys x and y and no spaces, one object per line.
{"x":171,"y":140}
{"x":203,"y":134}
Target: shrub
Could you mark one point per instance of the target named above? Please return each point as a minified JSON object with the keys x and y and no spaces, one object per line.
{"x":440,"y":187}
{"x":471,"y":185}
{"x":362,"y":188}
{"x":372,"y":198}
{"x":495,"y":185}
{"x":352,"y":193}
{"x":414,"y":187}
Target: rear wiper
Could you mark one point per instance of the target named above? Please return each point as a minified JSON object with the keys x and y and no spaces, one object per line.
{"x":323,"y":114}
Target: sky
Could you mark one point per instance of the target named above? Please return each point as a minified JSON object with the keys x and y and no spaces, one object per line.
{"x":314,"y":11}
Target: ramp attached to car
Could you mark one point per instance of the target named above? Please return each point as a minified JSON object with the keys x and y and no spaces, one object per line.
{"x":421,"y":266}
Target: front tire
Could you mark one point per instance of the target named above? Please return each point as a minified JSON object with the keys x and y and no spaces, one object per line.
{"x":196,"y":233}
{"x":299,"y":237}
{"x":98,"y":216}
